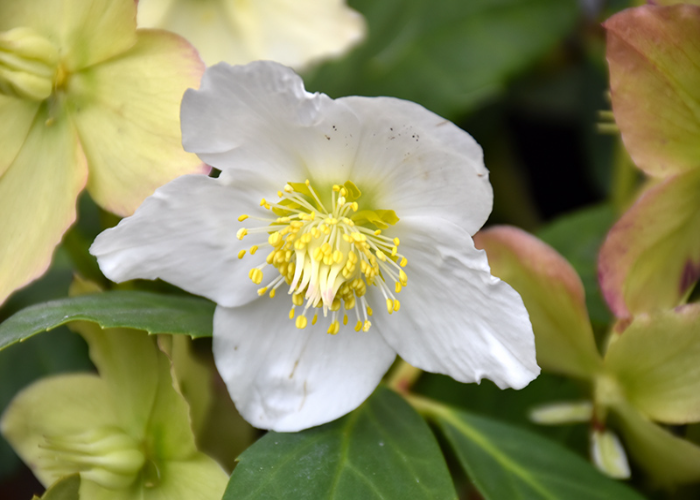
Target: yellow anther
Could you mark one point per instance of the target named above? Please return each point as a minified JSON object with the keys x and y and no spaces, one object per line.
{"x":336,"y":188}
{"x":389,"y":306}
{"x":354,"y":206}
{"x":301,"y":322}
{"x":335,"y":305}
{"x":241,"y":254}
{"x":337,"y":256}
{"x":358,"y":326}
{"x":334,"y":328}
{"x":369,"y":311}
{"x":288,"y":188}
{"x":291,"y":313}
{"x":345,"y":319}
{"x":255,"y":275}
{"x":275,"y":239}
{"x":307,"y":182}
{"x":262,"y":291}
{"x":270,"y":257}
{"x":263,"y":202}
{"x":253,"y":249}
{"x":366,"y":326}
{"x":241,"y":233}
{"x":394,"y":251}
{"x":397,"y":305}
{"x":343,"y":192}
{"x":327,"y":260}
{"x":347,"y":238}
{"x":397,"y":242}
{"x":378,"y":232}
{"x":403,"y":262}
{"x":381,"y":256}
{"x":280,"y":194}
{"x":241,"y":218}
{"x":318,"y":254}
{"x":272,"y":293}
{"x":315,"y":319}
{"x":397,"y":287}
{"x":403,"y":277}
{"x":298,"y":299}
{"x":350,"y":302}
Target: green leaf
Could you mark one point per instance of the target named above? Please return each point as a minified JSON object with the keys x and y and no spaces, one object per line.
{"x":154,"y":313}
{"x":507,"y":462}
{"x":578,"y":237}
{"x":65,"y":489}
{"x":381,"y":450}
{"x":448,"y":57}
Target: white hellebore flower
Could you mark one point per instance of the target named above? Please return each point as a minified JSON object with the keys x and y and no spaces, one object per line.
{"x":325,"y":213}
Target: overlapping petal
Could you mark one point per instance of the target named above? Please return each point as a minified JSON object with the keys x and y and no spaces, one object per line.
{"x":37,"y":197}
{"x":456,"y":318}
{"x":292,"y":32}
{"x":185,"y":234}
{"x":126,"y":112}
{"x":14,"y":131}
{"x":402,"y":157}
{"x":87,"y":32}
{"x":554,"y":297}
{"x":654,"y":58}
{"x":651,"y":257}
{"x":286,"y":379}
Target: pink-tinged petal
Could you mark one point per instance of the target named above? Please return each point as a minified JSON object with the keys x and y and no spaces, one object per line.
{"x":293,"y":33}
{"x":553,"y":295}
{"x":37,"y":199}
{"x":286,"y":379}
{"x":654,"y":58}
{"x":85,"y":31}
{"x":651,"y":257}
{"x":655,"y":361}
{"x":126,"y":111}
{"x":16,"y":118}
{"x":669,"y":460}
{"x":455,"y":318}
{"x":185,"y":234}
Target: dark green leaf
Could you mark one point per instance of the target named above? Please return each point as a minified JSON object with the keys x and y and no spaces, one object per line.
{"x":152,"y":312}
{"x":507,"y":462}
{"x":447,"y":55}
{"x":578,"y":237}
{"x":383,"y":449}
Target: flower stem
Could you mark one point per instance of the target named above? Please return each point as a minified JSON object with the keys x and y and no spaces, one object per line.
{"x":403,"y":377}
{"x":426,"y":407}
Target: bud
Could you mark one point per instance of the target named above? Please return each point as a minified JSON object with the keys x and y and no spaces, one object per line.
{"x":608,"y":454}
{"x":28,"y":64}
{"x":106,"y":456}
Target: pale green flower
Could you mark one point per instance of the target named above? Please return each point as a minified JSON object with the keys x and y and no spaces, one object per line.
{"x":127,"y":431}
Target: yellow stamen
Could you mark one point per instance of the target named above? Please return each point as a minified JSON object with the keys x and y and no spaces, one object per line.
{"x":241,"y":254}
{"x":301,"y":322}
{"x":241,"y":233}
{"x":241,"y":218}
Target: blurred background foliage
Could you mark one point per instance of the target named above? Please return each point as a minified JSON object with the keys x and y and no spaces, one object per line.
{"x":527,"y":78}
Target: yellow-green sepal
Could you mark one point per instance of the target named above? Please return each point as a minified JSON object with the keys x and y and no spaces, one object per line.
{"x":67,"y":488}
{"x":553,"y":295}
{"x":655,"y":361}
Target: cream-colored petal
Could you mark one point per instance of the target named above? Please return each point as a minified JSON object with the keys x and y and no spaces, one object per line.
{"x":16,"y":117}
{"x":62,"y":406}
{"x":292,"y":32}
{"x":85,"y":31}
{"x":37,"y":199}
{"x":655,"y":360}
{"x":608,"y":454}
{"x":127,"y":110}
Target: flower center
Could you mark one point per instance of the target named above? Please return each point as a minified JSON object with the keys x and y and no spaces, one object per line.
{"x":328,"y":257}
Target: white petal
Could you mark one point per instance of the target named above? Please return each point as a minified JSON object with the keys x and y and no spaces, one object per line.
{"x":259,"y":118}
{"x":286,"y":379}
{"x":185,"y":234}
{"x":415,"y":162}
{"x":455,"y":317}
